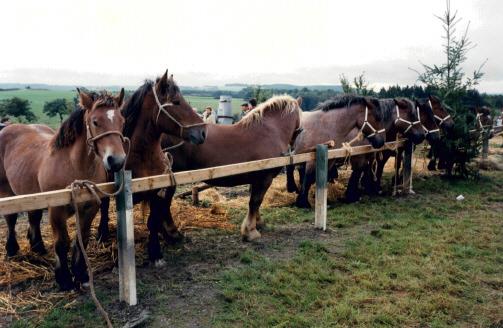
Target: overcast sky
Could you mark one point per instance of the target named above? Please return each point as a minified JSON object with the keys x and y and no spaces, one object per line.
{"x":215,"y":42}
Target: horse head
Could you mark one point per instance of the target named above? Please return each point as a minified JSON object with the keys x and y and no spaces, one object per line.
{"x":173,"y":114}
{"x":104,"y":123}
{"x":407,"y":121}
{"x":441,"y":114}
{"x":369,"y":122}
{"x":427,"y":119}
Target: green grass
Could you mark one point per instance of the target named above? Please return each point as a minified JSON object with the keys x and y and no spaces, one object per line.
{"x":417,"y":261}
{"x":38,"y":98}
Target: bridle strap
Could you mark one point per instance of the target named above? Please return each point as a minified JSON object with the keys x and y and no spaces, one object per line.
{"x":426,"y":130}
{"x":399,"y":119}
{"x":91,"y":140}
{"x":366,"y":123}
{"x":161,"y":108}
{"x":440,"y":120}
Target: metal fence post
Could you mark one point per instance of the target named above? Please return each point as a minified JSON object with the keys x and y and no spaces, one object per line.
{"x":125,"y":239}
{"x":320,"y":210}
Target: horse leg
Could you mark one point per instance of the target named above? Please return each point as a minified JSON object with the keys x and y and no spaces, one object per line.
{"x":333,"y":173}
{"x":257,"y":192}
{"x":303,"y":196}
{"x":34,"y":235}
{"x":79,"y":268}
{"x":57,"y":219}
{"x":103,"y":231}
{"x":11,"y":246}
{"x":352,"y":191}
{"x":379,"y":171}
{"x":291,"y":186}
{"x":169,"y":230}
{"x":154,"y":223}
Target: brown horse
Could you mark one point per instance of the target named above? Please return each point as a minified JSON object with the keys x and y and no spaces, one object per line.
{"x":156,"y":108}
{"x":34,"y":159}
{"x":339,"y":119}
{"x":266,"y":131}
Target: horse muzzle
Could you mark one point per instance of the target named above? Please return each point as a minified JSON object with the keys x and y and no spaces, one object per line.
{"x":416,"y":137}
{"x":197,"y":135}
{"x":114,"y":163}
{"x":377,"y":141}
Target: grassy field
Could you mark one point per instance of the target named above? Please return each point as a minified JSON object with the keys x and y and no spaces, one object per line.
{"x":38,"y":98}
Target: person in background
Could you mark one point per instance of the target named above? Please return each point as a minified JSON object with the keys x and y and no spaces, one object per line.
{"x":244,"y":110}
{"x":208,"y":116}
{"x":5,"y":121}
{"x":252,"y":103}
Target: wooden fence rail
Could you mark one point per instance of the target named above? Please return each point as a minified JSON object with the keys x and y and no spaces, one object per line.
{"x":29,"y":202}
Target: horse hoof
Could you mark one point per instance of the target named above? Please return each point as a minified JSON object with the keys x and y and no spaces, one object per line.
{"x":175,"y":238}
{"x":66,"y":285}
{"x":303,"y":204}
{"x":159,"y":263}
{"x":261,"y":225}
{"x":39,"y":248}
{"x":12,"y":248}
{"x":251,"y":235}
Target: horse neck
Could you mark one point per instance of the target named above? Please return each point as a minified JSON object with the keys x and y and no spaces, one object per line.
{"x":82,"y":157}
{"x":145,"y":143}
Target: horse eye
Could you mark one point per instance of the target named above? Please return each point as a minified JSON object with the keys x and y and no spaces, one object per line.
{"x":95,"y":122}
{"x":176,"y":103}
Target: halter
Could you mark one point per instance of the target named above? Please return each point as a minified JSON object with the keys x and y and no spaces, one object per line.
{"x":426,"y":130}
{"x":162,"y":109}
{"x":366,"y":123}
{"x":91,"y":140}
{"x":440,"y":120}
{"x":399,"y":119}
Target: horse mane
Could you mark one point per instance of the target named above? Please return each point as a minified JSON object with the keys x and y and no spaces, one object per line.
{"x":388,"y":106}
{"x":73,"y":126}
{"x":132,"y":107}
{"x":348,"y":100}
{"x":284,"y":103}
{"x":341,"y":101}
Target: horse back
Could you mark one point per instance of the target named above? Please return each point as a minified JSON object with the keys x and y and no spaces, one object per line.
{"x":22,"y":152}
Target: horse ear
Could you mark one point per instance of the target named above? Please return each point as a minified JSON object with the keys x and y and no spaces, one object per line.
{"x":163,"y":83}
{"x":120,"y":98}
{"x":85,"y":100}
{"x":434,"y":99}
{"x":299,"y":101}
{"x":399,"y":102}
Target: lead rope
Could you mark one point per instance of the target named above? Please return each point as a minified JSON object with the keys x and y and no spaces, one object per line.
{"x":93,"y":189}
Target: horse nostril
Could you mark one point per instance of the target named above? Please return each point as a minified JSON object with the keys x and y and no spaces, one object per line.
{"x":115,"y":163}
{"x":203,"y":135}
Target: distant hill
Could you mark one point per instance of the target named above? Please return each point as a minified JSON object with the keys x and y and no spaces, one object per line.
{"x":227,"y":87}
{"x":286,"y":86}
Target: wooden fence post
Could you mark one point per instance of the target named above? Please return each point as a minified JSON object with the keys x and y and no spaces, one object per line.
{"x":407,"y":168}
{"x":125,"y":239}
{"x":320,"y":210}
